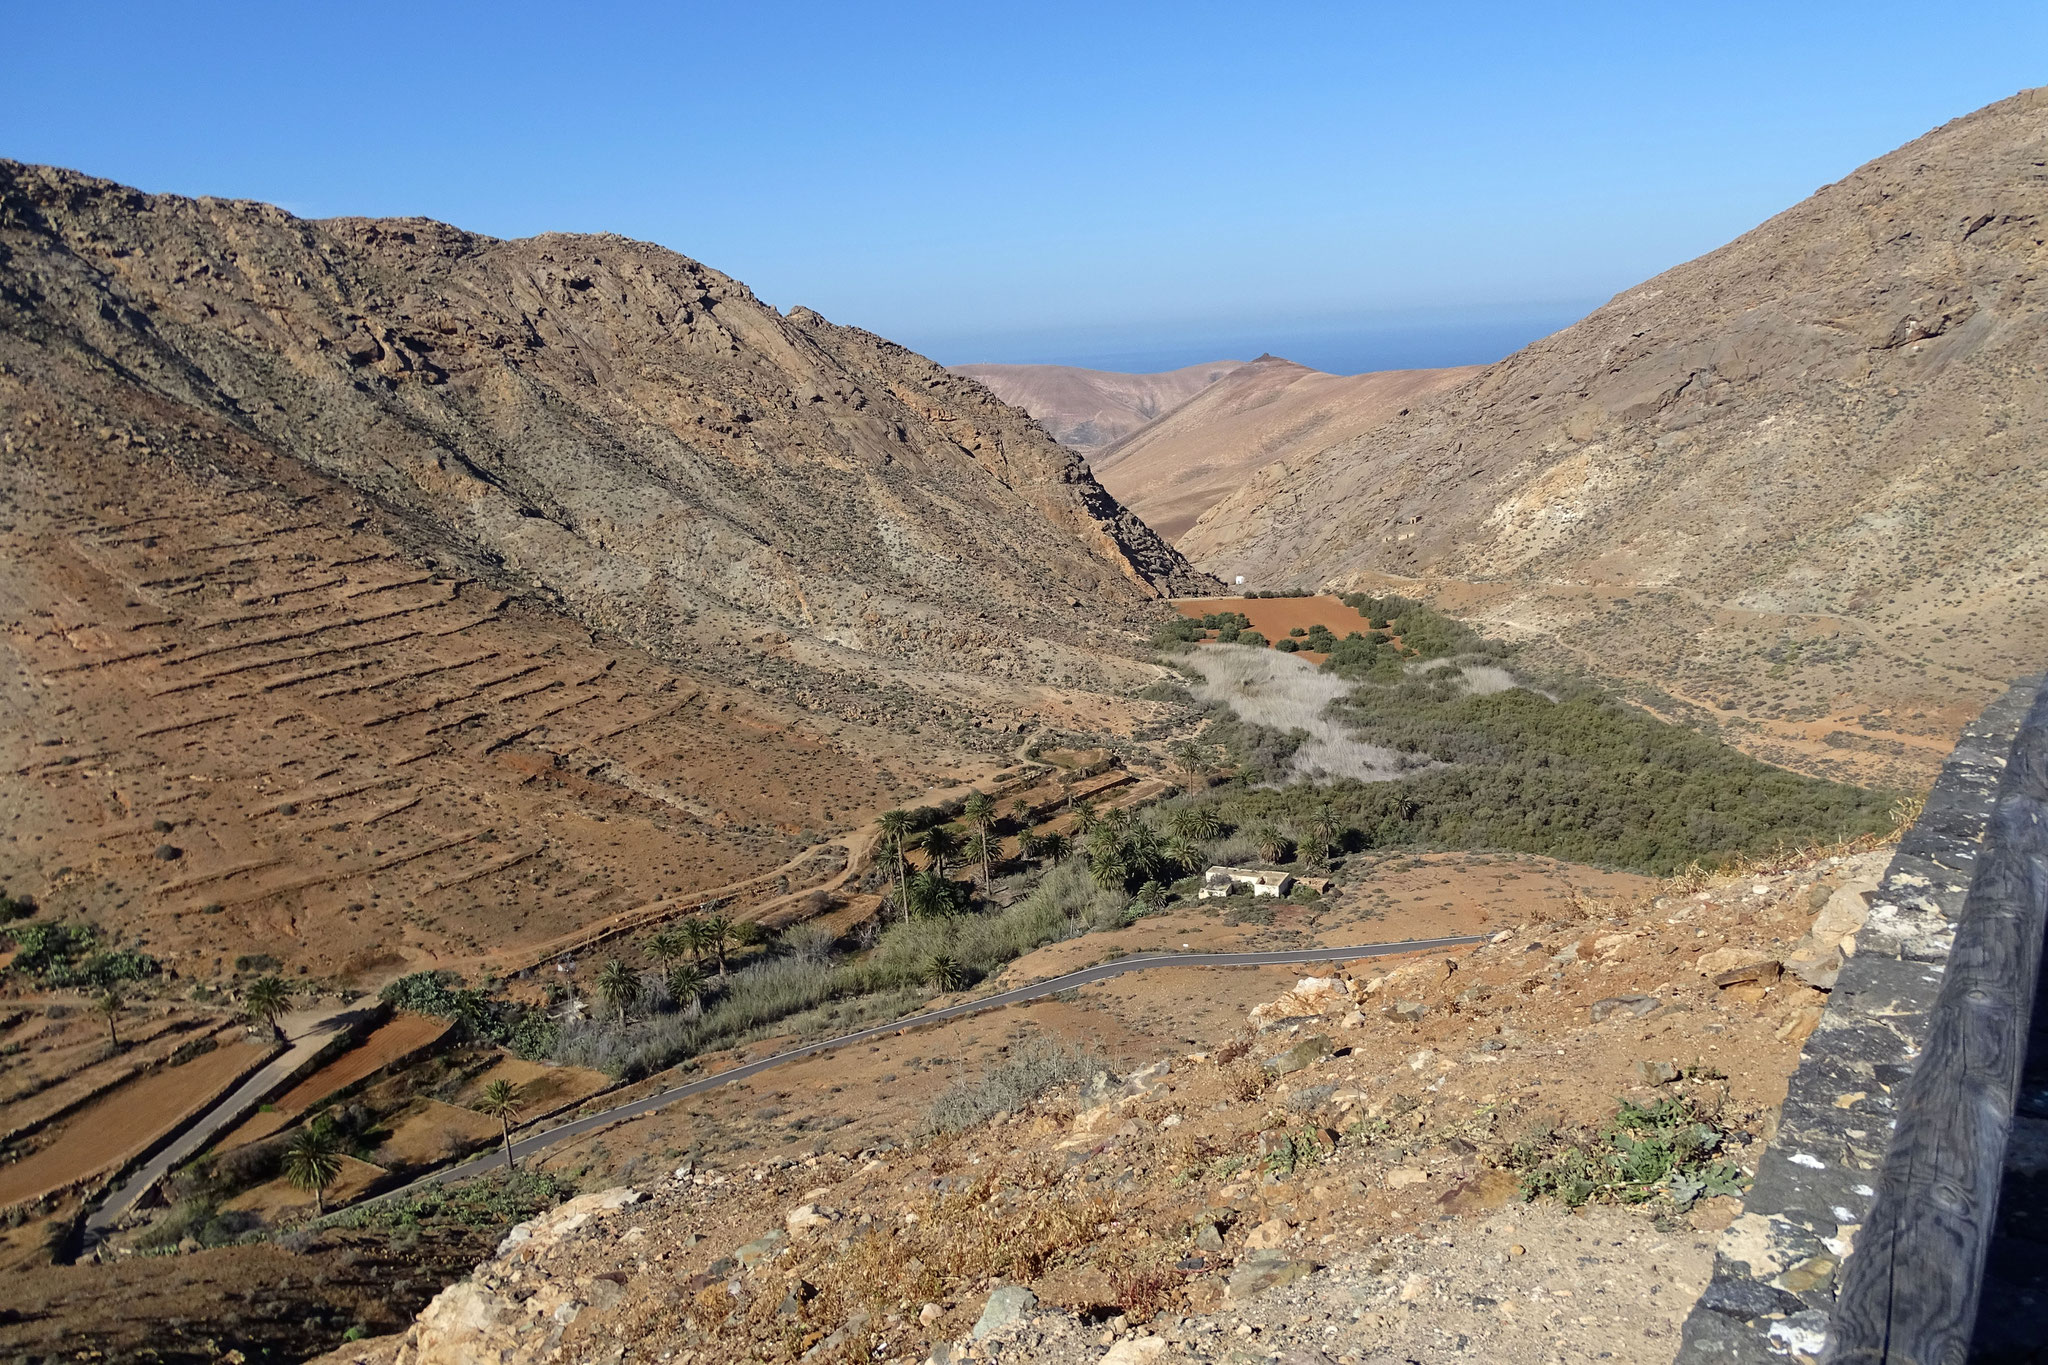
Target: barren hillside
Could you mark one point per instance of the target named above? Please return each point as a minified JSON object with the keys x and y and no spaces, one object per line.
{"x":630,"y":429}
{"x":380,"y":596}
{"x":1272,"y":409}
{"x":1086,"y":410}
{"x":1793,"y":484}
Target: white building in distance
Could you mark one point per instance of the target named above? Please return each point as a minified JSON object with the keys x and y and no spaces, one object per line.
{"x":1219,"y":881}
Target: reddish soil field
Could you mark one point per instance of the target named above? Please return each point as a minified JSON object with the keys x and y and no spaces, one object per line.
{"x":112,"y":1128}
{"x":1273,"y":617}
{"x":400,"y":1036}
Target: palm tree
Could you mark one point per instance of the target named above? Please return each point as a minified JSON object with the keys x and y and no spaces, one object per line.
{"x":1118,"y":819}
{"x":1143,"y":852}
{"x":265,"y":999}
{"x":1054,"y":846}
{"x":1323,"y":829}
{"x":895,"y":828}
{"x":941,"y":845}
{"x":108,"y":1007}
{"x":1193,"y":764}
{"x":980,"y":810}
{"x":1182,"y":852}
{"x":1108,"y":865}
{"x":500,"y":1101}
{"x":1198,"y":823}
{"x":1272,"y":843}
{"x":942,"y":973}
{"x":667,"y":944}
{"x":313,"y":1160}
{"x":692,"y":930}
{"x":1085,"y":818}
{"x":619,"y":985}
{"x":981,"y":848}
{"x":718,"y":936}
{"x":928,"y":895}
{"x":685,"y":984}
{"x":1020,"y":811}
{"x":1030,"y":844}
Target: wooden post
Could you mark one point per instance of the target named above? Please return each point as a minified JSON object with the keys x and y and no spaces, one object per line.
{"x":1910,"y":1289}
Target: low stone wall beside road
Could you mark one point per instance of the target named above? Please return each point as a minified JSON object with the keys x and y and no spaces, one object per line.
{"x":1778,"y":1265}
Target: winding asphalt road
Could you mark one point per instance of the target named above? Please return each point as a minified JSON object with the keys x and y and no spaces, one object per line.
{"x":647,"y":1104}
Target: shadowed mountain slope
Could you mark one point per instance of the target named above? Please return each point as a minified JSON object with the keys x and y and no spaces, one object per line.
{"x":1086,"y":410}
{"x":1794,"y":485}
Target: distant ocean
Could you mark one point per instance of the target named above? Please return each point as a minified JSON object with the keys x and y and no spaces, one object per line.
{"x":1394,"y":341}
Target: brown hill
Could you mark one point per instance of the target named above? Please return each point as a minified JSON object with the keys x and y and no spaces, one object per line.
{"x":379,"y":595}
{"x":1795,"y":481}
{"x":630,"y":428}
{"x":1086,"y":410}
{"x":1191,"y":458}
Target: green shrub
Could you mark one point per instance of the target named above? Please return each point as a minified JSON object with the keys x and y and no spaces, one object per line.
{"x":1664,"y":1151}
{"x":69,"y":957}
{"x":526,"y":1031}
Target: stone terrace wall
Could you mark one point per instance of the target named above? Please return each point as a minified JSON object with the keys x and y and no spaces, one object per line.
{"x":1777,"y":1267}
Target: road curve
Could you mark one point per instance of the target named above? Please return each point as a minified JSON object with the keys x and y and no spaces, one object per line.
{"x":647,"y":1104}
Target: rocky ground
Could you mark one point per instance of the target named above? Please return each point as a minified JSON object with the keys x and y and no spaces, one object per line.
{"x":1343,"y":1177}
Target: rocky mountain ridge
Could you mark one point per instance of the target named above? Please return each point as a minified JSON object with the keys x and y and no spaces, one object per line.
{"x":602,"y":418}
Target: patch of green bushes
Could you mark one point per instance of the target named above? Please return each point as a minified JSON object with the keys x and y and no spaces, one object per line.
{"x":523,"y":1030}
{"x":70,"y":957}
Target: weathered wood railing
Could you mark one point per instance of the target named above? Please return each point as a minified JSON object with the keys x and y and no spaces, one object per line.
{"x":1909,"y":1292}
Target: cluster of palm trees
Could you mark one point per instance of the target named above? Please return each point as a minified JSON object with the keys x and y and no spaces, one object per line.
{"x":708,"y":934}
{"x":928,"y":890}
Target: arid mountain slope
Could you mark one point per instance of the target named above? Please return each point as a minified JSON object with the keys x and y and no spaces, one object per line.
{"x":630,"y":429}
{"x":378,"y":596}
{"x":1272,"y":409}
{"x":1797,"y":481}
{"x":1086,"y":410}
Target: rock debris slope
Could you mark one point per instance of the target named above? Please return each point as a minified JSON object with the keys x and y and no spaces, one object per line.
{"x":605,"y":418}
{"x":1819,"y":441}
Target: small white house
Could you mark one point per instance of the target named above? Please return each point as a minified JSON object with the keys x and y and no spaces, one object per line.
{"x":1219,"y":881}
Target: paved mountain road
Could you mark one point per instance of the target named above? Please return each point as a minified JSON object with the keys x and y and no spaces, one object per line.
{"x":647,"y":1104}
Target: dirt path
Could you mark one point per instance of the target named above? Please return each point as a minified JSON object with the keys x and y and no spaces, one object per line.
{"x":307,"y":1031}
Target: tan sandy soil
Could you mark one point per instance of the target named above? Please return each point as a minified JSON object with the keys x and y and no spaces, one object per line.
{"x":112,"y":1129}
{"x":369,"y":767}
{"x":432,"y":1131}
{"x":279,"y":1201}
{"x":541,"y":1087}
{"x":63,"y":1060}
{"x":884,"y":1089}
{"x":401,"y":1036}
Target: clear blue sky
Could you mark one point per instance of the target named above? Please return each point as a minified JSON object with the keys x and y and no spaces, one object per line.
{"x":1137,"y":185}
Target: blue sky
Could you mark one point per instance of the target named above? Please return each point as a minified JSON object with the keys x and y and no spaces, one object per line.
{"x":1130,"y":185}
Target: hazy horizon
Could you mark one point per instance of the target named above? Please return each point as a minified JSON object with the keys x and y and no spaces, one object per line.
{"x":1394,"y":340}
{"x":1127,"y":187}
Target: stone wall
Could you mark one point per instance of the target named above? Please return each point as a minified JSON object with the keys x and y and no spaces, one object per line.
{"x":1778,"y":1265}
